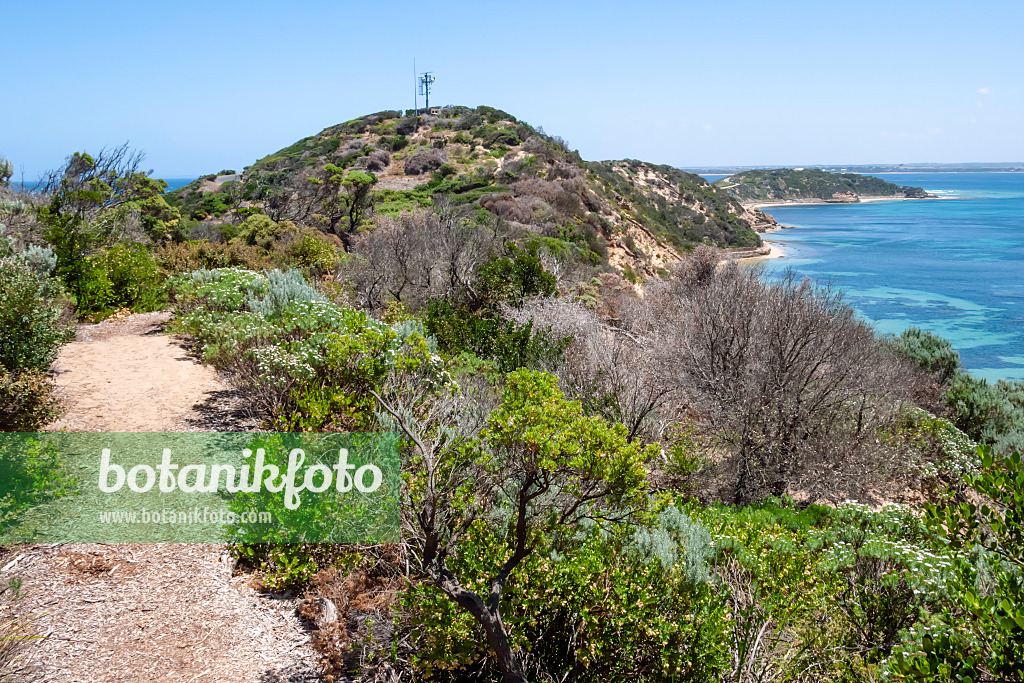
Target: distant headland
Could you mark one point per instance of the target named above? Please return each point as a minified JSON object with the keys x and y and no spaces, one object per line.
{"x":802,"y":186}
{"x":970,"y":167}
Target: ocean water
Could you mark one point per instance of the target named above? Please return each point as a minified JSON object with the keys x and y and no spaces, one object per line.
{"x":175,"y":183}
{"x":172,"y":184}
{"x":954,"y":265}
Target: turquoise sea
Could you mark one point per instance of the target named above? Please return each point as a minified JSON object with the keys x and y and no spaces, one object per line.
{"x":954,"y":265}
{"x":175,"y":183}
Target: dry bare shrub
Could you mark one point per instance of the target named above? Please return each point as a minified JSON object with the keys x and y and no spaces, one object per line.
{"x":354,"y":148}
{"x":406,"y":126}
{"x":562,"y":196}
{"x":425,"y":161}
{"x":354,"y":612}
{"x":535,"y":145}
{"x":615,"y":297}
{"x":392,"y":262}
{"x":378,"y":160}
{"x":506,"y":206}
{"x":783,"y":374}
{"x":535,"y":187}
{"x":561,"y":170}
{"x":699,"y":266}
{"x":418,"y":256}
{"x":615,"y":372}
{"x":797,"y":386}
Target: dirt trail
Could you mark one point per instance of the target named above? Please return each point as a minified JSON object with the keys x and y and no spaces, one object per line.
{"x":156,"y":612}
{"x":124,"y":376}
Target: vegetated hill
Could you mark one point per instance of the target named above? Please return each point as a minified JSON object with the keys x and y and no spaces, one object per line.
{"x":626,"y":213}
{"x":784,"y":184}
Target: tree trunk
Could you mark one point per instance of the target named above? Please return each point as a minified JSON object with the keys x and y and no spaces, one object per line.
{"x":497,"y":636}
{"x":489,"y":617}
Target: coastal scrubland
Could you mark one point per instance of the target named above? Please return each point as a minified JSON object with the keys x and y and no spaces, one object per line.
{"x":624,"y":457}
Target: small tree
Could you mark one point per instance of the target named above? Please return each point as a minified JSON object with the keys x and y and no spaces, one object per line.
{"x":92,"y":199}
{"x":357,"y":185}
{"x":536,"y":456}
{"x":330,"y":197}
{"x":6,"y":171}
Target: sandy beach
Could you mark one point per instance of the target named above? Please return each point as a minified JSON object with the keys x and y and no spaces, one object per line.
{"x":774,"y":251}
{"x":863,"y":200}
{"x":768,"y":250}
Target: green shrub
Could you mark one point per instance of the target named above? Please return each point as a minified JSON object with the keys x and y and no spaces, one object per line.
{"x":678,"y":542}
{"x":203,"y":204}
{"x":631,"y":275}
{"x":306,"y":363}
{"x":202,"y":254}
{"x":394,"y":202}
{"x":282,"y":290}
{"x":461,"y":330}
{"x":31,"y":473}
{"x":41,"y":260}
{"x":315,"y":253}
{"x":933,"y":353}
{"x":979,"y":636}
{"x":260,"y":230}
{"x":989,"y":413}
{"x":586,"y":610}
{"x":122,"y":276}
{"x":28,"y":401}
{"x":31,"y":330}
{"x":515,"y":278}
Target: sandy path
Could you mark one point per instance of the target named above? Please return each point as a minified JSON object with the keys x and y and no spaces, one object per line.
{"x":146,"y":612}
{"x":124,"y":376}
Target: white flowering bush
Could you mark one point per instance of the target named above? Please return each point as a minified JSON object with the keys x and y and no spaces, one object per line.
{"x":894,"y":535}
{"x":932,"y":447}
{"x":221,"y":289}
{"x":842,"y":587}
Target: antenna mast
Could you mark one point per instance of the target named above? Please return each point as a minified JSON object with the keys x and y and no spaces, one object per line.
{"x":426,"y":81}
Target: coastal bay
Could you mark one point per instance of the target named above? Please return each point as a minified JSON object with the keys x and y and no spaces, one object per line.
{"x":952,"y":267}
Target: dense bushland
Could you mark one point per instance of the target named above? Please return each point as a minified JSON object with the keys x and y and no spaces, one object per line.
{"x":602,"y":480}
{"x":673,"y":588}
{"x":991,"y":413}
{"x":34,"y":322}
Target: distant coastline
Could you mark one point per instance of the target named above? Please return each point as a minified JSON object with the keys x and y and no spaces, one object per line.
{"x":872,"y":169}
{"x":775,"y":249}
{"x":816,"y":202}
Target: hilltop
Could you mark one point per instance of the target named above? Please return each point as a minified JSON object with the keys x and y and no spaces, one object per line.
{"x":783,"y":184}
{"x":624,"y":213}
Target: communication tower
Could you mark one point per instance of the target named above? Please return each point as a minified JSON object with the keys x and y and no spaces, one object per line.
{"x":426,"y":81}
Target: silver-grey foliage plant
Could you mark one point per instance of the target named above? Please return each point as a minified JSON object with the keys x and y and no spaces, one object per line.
{"x":678,"y":541}
{"x":283,"y":289}
{"x":41,"y":260}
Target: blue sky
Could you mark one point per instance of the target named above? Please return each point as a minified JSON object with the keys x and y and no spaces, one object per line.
{"x":205,"y":86}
